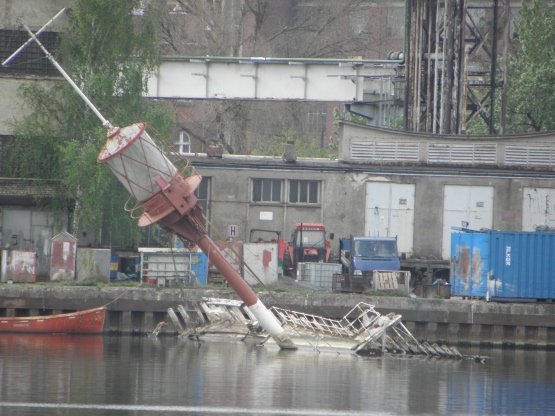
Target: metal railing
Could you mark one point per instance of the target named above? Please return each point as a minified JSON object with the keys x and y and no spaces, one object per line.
{"x":354,"y":323}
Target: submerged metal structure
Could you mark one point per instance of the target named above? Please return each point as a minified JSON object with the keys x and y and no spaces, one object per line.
{"x":456,"y":64}
{"x":362,"y":330}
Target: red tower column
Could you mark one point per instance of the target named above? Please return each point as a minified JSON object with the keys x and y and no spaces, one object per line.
{"x":168,"y":199}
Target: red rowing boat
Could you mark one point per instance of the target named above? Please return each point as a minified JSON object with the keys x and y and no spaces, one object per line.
{"x":89,"y":321}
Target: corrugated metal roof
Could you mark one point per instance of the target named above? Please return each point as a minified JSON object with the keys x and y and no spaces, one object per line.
{"x":24,"y":191}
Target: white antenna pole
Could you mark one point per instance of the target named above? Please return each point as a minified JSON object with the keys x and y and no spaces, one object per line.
{"x":105,"y":123}
{"x":9,"y":59}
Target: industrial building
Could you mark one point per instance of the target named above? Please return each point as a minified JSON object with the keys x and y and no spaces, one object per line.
{"x":416,"y":186}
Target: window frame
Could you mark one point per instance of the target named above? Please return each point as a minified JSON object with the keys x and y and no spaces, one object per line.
{"x":263,"y":191}
{"x":311,"y":191}
{"x":203,"y":194}
{"x":31,"y":60}
{"x":182,"y":142}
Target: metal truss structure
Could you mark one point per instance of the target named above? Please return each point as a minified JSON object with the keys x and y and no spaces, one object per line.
{"x":456,"y":64}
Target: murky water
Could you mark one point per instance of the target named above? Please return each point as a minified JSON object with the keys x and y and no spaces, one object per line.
{"x":64,"y":375}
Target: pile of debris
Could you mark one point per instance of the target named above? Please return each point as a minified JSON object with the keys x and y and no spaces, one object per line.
{"x":362,"y":330}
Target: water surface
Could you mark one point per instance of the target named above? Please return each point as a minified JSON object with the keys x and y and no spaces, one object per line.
{"x":68,"y":375}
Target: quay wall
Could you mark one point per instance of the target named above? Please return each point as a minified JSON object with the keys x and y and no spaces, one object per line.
{"x":137,"y":311}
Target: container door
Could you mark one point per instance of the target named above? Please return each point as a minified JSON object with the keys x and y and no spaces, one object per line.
{"x":262,"y":262}
{"x":523,"y":265}
{"x":472,"y":205}
{"x":25,"y":229}
{"x":62,"y":261}
{"x":469,"y":264}
{"x":538,"y":208}
{"x":390,"y":212}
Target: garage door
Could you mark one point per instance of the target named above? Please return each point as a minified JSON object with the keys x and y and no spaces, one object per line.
{"x":538,"y":208}
{"x":390,"y":212}
{"x":472,"y":205}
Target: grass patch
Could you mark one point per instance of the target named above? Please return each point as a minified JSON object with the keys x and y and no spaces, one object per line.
{"x":86,"y":282}
{"x":390,"y":293}
{"x":89,"y":283}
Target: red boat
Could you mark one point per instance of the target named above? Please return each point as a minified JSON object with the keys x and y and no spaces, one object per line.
{"x":89,"y":321}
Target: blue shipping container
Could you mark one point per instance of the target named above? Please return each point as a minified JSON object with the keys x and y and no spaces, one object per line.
{"x":469,"y":264}
{"x":114,"y":266}
{"x":200,"y":268}
{"x":503,"y":265}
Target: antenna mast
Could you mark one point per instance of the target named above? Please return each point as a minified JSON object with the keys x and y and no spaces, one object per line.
{"x":105,"y":123}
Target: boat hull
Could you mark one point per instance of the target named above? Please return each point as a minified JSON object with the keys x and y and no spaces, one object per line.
{"x":90,"y":321}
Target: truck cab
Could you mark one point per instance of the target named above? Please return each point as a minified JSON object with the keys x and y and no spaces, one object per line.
{"x":361,"y":256}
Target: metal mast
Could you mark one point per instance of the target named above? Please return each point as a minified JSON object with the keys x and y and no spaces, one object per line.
{"x":454,"y":71}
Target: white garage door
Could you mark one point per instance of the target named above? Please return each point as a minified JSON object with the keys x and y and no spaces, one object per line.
{"x":469,"y":204}
{"x":538,"y":208}
{"x":390,"y":212}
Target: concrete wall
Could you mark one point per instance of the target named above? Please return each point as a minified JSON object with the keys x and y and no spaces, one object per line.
{"x":93,"y":264}
{"x":12,"y":108}
{"x":32,"y":12}
{"x":462,"y":322}
{"x":343,"y":197}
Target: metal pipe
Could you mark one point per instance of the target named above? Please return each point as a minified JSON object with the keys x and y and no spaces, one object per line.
{"x":266,"y":319}
{"x":105,"y":123}
{"x":493,"y":69}
{"x":269,"y":60}
{"x":188,"y":227}
{"x":213,"y":252}
{"x":38,"y":32}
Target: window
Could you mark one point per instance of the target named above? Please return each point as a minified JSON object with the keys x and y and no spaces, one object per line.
{"x":368,"y":248}
{"x":184,"y":143}
{"x":303,"y":192}
{"x":316,"y":120}
{"x":203,"y":194}
{"x":266,"y":190}
{"x":312,"y":238}
{"x":395,"y":23}
{"x":31,"y":60}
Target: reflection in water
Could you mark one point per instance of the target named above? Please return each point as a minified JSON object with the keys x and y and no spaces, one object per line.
{"x":141,"y":376}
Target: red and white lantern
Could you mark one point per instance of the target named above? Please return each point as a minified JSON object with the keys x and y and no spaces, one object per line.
{"x":136,"y":161}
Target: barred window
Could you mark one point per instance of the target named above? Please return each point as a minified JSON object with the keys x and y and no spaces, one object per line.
{"x":31,"y":60}
{"x":304,"y":192}
{"x":203,"y":194}
{"x":266,"y":190}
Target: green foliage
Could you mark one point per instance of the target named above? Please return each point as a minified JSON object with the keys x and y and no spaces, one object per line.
{"x":304,"y":147}
{"x":532,"y":70}
{"x":356,"y":118}
{"x":477,"y":127}
{"x":40,"y":161}
{"x":108,"y":54}
{"x":390,"y":293}
{"x":85,"y":282}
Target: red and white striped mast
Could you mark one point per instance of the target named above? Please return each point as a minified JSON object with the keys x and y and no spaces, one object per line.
{"x":167,"y":196}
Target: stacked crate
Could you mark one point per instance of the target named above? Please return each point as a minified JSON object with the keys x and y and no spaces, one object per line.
{"x":318,"y":275}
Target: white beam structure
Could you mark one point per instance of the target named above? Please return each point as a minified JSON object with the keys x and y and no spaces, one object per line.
{"x":259,"y":78}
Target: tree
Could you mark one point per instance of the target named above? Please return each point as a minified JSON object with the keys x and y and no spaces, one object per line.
{"x":109,"y":53}
{"x":532,"y":71}
{"x":287,"y":28}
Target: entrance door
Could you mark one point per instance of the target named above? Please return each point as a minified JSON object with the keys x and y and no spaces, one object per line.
{"x":390,"y":212}
{"x":471,"y":205}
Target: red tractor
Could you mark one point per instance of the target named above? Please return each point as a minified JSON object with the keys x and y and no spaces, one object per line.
{"x":309,"y":244}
